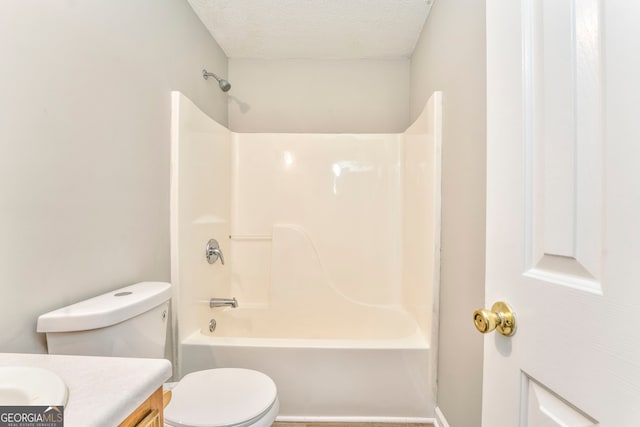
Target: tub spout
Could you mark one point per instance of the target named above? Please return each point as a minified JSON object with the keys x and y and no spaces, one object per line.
{"x":223,"y":302}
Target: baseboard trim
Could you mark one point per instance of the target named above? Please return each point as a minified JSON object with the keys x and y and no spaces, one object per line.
{"x":440,"y":420}
{"x":389,"y":420}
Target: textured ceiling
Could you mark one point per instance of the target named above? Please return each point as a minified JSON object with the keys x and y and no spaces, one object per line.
{"x":314,"y":28}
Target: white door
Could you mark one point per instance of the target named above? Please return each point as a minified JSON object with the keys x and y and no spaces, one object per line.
{"x":563,"y":212}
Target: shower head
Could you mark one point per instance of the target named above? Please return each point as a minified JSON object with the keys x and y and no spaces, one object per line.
{"x":224,"y":85}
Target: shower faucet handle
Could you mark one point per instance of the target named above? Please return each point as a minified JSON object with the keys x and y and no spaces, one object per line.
{"x":213,"y":252}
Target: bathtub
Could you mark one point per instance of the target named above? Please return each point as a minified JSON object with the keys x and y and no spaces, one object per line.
{"x":374,"y":367}
{"x":332,"y":250}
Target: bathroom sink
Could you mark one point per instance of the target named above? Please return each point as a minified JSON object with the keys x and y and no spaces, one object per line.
{"x":25,"y":385}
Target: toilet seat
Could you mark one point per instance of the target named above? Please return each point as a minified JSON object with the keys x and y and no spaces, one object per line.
{"x":224,"y":397}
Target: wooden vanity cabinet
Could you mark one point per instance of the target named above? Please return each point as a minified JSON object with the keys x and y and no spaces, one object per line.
{"x":150,"y":412}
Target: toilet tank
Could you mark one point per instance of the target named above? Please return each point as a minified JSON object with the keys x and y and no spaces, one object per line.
{"x":127,"y":322}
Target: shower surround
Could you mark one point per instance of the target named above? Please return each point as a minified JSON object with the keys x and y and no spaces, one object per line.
{"x":331,"y":243}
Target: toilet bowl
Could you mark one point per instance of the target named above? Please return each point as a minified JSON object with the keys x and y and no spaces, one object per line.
{"x":132,"y":322}
{"x":223,"y":397}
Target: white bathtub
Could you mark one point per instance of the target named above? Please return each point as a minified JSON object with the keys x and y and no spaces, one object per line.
{"x":332,"y":250}
{"x":376,"y":367}
{"x":341,"y":320}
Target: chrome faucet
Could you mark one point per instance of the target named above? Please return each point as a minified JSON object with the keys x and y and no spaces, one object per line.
{"x":213,"y":252}
{"x":223,"y":302}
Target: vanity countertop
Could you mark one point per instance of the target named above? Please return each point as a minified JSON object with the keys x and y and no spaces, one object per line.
{"x":103,"y":391}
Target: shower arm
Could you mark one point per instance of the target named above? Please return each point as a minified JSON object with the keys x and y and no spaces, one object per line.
{"x":224,"y":85}
{"x":206,"y":74}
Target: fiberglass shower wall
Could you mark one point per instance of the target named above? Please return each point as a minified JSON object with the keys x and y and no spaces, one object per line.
{"x":305,"y":219}
{"x":200,"y":210}
{"x":316,"y":217}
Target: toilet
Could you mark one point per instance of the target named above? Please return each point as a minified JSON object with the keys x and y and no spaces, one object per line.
{"x":132,"y":322}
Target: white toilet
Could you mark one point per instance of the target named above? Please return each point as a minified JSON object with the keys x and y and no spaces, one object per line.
{"x":132,"y":322}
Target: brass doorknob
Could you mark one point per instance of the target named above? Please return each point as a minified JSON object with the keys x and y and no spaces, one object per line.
{"x":501,"y":317}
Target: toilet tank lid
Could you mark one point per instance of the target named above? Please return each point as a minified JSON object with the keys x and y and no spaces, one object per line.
{"x":106,"y":309}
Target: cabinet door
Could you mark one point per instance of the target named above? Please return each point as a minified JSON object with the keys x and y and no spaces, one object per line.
{"x":149,"y":412}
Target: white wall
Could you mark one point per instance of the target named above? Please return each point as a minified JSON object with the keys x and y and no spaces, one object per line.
{"x":84,"y":147}
{"x":325,"y":96}
{"x":450,"y":56}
